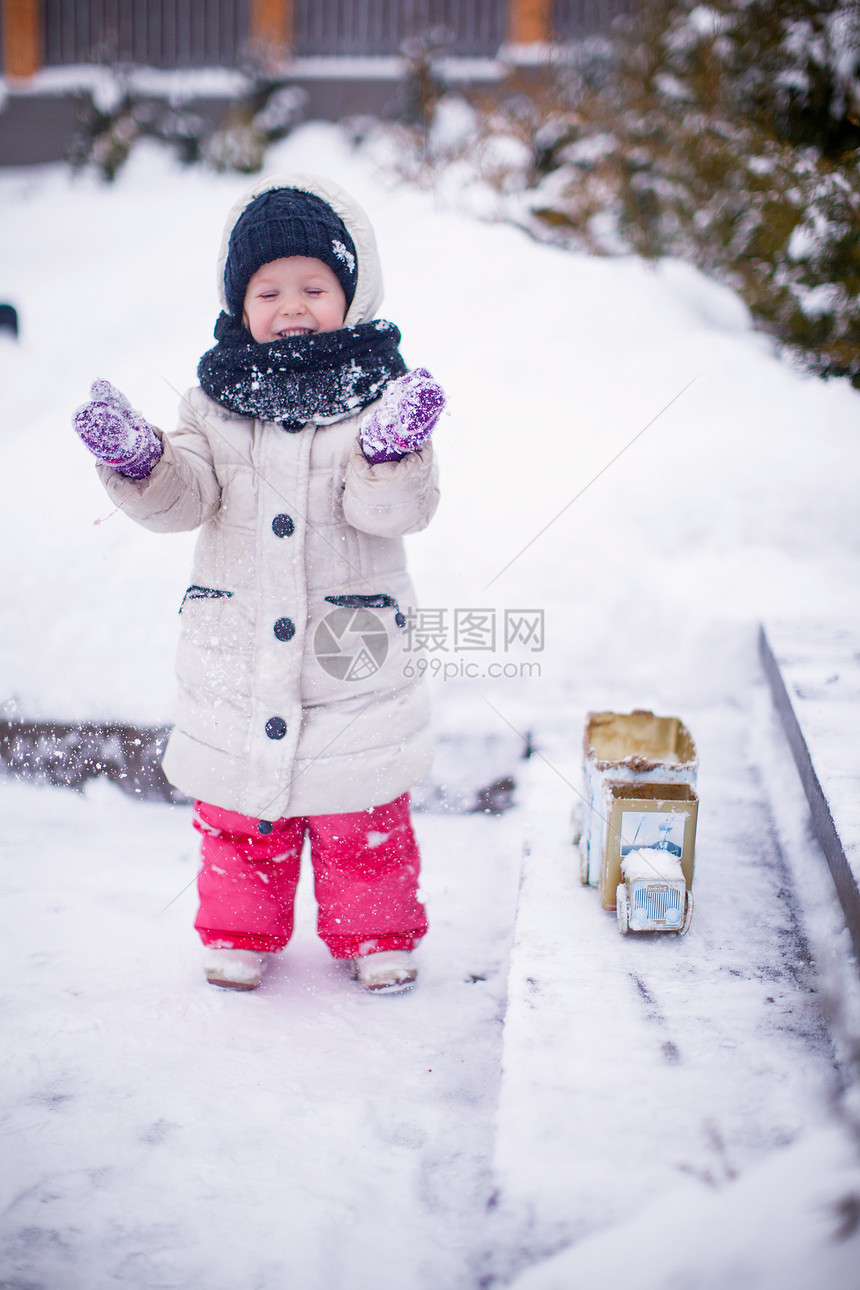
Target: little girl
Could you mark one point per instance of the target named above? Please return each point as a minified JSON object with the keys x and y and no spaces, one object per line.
{"x":303,"y":458}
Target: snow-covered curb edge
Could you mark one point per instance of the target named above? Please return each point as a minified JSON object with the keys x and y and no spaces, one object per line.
{"x":825,"y":827}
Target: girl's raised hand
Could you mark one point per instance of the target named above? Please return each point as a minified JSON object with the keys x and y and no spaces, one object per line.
{"x":115,"y":433}
{"x":405,"y":417}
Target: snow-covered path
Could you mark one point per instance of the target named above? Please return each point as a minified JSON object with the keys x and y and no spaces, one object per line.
{"x":158,"y":1132}
{"x":635,"y":1067}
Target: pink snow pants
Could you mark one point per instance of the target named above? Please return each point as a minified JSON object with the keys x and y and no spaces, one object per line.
{"x":366,"y":867}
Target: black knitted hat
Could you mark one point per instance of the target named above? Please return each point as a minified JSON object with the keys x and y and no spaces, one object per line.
{"x":284,"y":222}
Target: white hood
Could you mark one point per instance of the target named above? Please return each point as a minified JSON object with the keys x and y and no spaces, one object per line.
{"x":368,"y":290}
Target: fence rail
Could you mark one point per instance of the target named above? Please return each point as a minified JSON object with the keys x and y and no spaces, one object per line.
{"x":217,"y":33}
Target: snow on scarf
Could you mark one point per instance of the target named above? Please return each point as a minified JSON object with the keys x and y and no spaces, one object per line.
{"x":322,"y":378}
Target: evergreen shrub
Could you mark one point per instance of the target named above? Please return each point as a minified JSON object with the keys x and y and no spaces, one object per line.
{"x":726,"y":133}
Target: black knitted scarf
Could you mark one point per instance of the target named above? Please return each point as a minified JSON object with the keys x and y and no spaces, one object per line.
{"x":320,"y":378}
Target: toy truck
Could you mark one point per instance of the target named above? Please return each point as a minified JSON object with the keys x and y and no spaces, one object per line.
{"x":638,"y":836}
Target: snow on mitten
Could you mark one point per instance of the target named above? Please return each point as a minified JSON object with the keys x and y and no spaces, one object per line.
{"x":404,"y":419}
{"x":117,"y":434}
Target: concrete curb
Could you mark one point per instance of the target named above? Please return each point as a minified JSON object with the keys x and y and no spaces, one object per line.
{"x":789,"y":705}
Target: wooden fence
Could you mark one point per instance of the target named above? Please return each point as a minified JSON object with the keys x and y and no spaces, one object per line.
{"x":166,"y":33}
{"x":219,"y":33}
{"x":379,"y":27}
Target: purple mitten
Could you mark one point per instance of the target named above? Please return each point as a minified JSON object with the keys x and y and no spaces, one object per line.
{"x":404,"y":419}
{"x":115,"y":433}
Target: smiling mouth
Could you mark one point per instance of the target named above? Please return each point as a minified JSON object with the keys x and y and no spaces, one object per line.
{"x":294,"y":331}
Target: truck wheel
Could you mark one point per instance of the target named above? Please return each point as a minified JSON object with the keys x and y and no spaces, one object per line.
{"x":688,"y":915}
{"x":622,"y":909}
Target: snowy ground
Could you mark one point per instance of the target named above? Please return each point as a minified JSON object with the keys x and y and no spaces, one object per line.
{"x":641,"y":1087}
{"x":160,"y":1134}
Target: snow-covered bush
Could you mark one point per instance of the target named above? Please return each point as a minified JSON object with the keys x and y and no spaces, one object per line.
{"x":114,"y":119}
{"x":406,"y":140}
{"x":727,"y":133}
{"x":731,"y":137}
{"x":268,"y":114}
{"x":107,"y":131}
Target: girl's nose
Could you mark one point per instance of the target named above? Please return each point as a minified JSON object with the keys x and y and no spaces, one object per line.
{"x":292,"y":305}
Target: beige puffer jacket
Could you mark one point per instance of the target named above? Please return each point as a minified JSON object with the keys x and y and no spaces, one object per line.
{"x":289,"y":704}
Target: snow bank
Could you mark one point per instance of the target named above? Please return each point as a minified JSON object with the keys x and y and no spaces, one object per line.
{"x":786,"y":1225}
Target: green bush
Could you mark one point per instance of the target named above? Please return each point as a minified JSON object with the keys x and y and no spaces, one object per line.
{"x":727,"y":133}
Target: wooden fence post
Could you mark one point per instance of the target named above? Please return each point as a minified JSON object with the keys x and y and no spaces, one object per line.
{"x":272,"y":28}
{"x":22,"y":38}
{"x":529,"y":21}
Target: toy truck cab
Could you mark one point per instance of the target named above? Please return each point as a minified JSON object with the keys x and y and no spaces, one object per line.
{"x":653,"y":895}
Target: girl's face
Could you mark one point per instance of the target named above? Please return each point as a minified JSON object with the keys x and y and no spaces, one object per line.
{"x":293,"y":296}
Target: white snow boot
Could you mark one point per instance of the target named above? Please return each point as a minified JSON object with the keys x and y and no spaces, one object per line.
{"x":234,"y":969}
{"x":386,"y":972}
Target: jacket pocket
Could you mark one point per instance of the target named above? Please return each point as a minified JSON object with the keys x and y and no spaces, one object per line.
{"x":204,"y":593}
{"x":377,"y":601}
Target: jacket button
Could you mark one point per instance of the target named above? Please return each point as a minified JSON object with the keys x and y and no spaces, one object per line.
{"x":285,"y":629}
{"x":276,"y":727}
{"x":283,"y":526}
